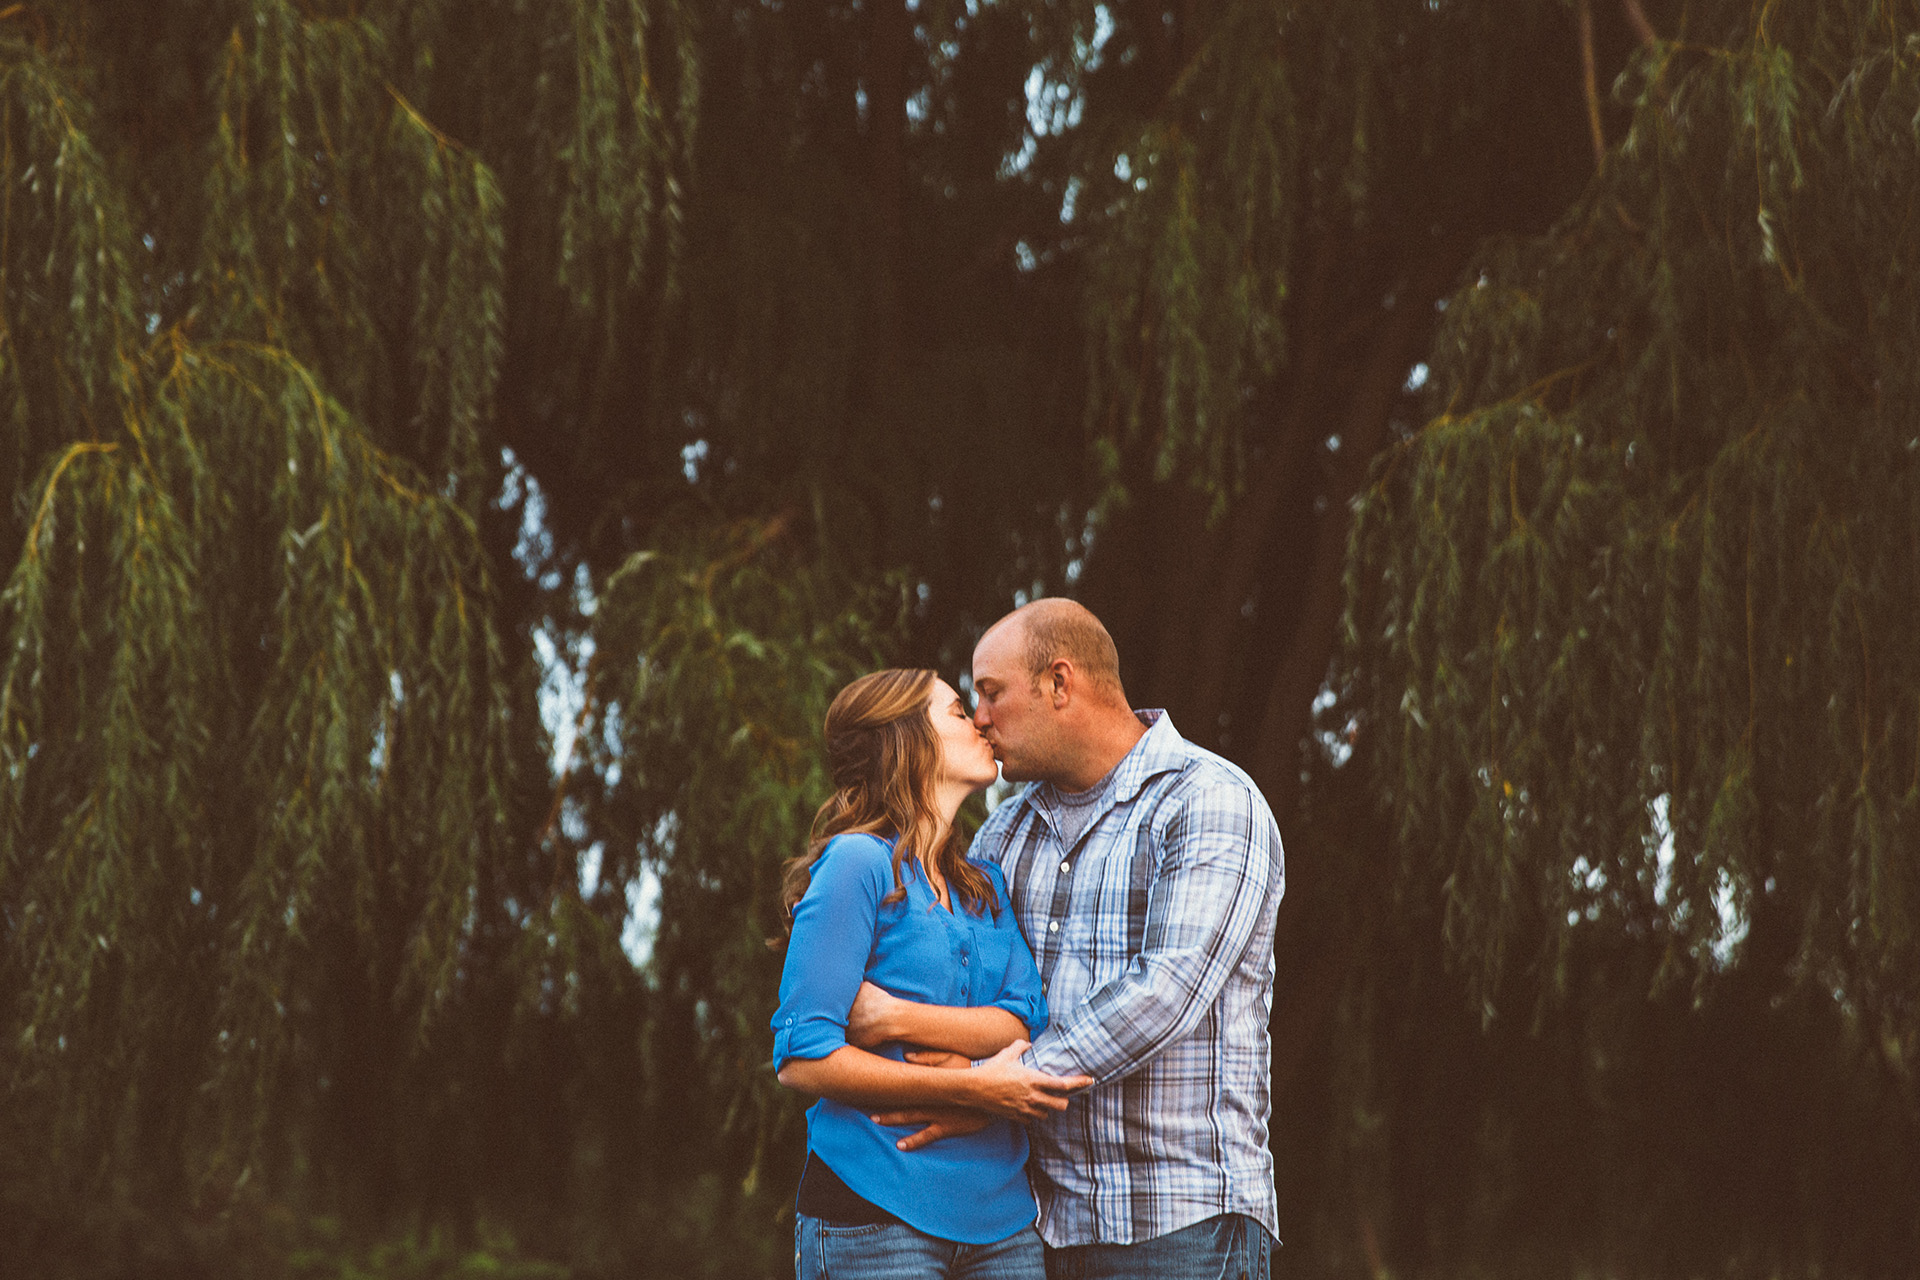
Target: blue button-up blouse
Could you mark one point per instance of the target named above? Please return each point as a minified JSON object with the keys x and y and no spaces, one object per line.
{"x":971,"y":1188}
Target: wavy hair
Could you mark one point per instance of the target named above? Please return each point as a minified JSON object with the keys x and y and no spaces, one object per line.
{"x":884,"y":760}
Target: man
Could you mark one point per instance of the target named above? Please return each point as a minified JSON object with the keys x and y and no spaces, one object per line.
{"x":1145,"y":873}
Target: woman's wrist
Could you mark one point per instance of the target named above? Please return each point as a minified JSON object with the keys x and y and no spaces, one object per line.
{"x":966,"y":1087}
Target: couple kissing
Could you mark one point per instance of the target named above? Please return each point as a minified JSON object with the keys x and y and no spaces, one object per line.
{"x":1044,"y":1056}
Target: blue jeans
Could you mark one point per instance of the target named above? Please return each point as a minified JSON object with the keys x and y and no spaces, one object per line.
{"x":1231,"y":1246}
{"x":895,"y":1251}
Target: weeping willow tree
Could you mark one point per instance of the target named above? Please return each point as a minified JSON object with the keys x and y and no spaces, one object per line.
{"x":260,"y":717}
{"x":299,"y":915}
{"x":1266,"y":201}
{"x":696,"y":773}
{"x":1631,"y":653}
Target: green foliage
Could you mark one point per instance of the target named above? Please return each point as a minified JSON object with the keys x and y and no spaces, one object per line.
{"x":713,"y":660}
{"x":1626,"y":643}
{"x":1186,"y":292}
{"x":252,"y":692}
{"x":1220,"y":144}
{"x":1627,"y":615}
{"x":256,"y":709}
{"x":1645,"y":572}
{"x":299,"y":920}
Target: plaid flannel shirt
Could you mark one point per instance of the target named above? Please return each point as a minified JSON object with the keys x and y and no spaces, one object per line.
{"x":1154,"y":937}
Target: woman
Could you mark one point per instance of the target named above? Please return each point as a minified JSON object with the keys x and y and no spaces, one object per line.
{"x":885,"y":894}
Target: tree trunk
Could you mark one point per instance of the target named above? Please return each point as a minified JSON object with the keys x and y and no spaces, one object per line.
{"x":1301,"y":664}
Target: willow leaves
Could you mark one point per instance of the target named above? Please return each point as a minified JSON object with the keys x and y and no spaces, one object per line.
{"x":1633,"y":607}
{"x":255,"y":706}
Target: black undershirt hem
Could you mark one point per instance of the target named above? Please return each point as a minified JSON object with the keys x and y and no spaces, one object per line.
{"x":824,"y":1196}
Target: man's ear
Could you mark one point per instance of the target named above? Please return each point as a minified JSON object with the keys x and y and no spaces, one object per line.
{"x":1060,"y":683}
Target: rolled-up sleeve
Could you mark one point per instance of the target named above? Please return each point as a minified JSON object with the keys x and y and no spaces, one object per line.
{"x":833,"y":932}
{"x":1209,"y":894}
{"x":1020,"y":990}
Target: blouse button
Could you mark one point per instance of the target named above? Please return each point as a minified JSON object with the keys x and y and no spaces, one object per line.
{"x":1065,"y":867}
{"x":1053,"y":926}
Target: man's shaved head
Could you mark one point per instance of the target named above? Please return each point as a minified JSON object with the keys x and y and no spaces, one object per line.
{"x":1047,"y":680}
{"x":1055,"y":628}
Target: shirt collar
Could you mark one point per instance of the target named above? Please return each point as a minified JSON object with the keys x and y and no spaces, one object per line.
{"x":1160,"y":750}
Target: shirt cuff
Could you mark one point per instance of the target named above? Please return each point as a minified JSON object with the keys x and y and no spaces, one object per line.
{"x":806,"y":1038}
{"x":1032,"y":1012}
{"x":1046,"y":1055}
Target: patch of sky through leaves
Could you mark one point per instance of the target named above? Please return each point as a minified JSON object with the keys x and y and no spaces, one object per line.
{"x":563,"y":658}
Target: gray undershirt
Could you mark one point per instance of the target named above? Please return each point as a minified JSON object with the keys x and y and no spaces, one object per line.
{"x":1072,"y":812}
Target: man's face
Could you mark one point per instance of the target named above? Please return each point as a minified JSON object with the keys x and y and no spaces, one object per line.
{"x":1011,"y":708}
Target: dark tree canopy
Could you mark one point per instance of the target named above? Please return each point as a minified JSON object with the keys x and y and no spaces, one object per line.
{"x":456,"y":450}
{"x":1629,"y":608}
{"x":1628,"y":637}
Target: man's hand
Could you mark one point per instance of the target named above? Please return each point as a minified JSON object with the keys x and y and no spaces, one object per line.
{"x":871,"y":1020}
{"x":995,"y":1089}
{"x":938,"y":1122}
{"x":1001,"y":1085}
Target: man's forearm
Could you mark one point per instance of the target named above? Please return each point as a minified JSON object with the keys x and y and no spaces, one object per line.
{"x":978,"y":1032}
{"x":1218,"y":886}
{"x":1125,"y":1024}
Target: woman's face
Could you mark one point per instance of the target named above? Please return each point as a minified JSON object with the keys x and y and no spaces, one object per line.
{"x":965,"y":756}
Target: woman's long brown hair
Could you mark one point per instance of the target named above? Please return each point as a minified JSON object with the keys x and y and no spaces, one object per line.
{"x":884,"y":759}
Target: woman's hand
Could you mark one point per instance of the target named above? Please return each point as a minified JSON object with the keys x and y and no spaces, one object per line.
{"x":936,"y":1123}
